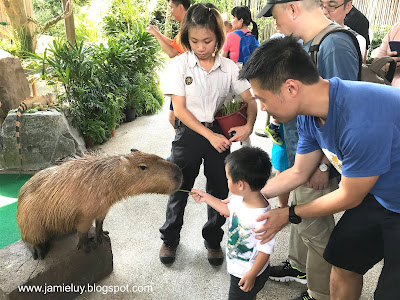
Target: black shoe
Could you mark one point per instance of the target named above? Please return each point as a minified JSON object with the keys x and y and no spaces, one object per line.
{"x":286,"y":273}
{"x":167,"y":254}
{"x":305,"y":296}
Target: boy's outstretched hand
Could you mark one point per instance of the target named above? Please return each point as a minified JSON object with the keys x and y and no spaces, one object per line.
{"x":199,"y":196}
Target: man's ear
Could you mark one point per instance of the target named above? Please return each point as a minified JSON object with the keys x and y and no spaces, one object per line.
{"x":348,"y":7}
{"x":291,"y":86}
{"x":294,"y":10}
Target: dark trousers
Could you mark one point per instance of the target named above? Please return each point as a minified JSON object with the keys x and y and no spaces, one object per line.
{"x":235,"y":293}
{"x":189,"y":151}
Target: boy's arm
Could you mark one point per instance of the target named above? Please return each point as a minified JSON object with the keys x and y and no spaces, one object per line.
{"x":248,"y":279}
{"x":215,"y":203}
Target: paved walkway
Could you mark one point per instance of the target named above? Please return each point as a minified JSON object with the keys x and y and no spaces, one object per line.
{"x":134,"y":223}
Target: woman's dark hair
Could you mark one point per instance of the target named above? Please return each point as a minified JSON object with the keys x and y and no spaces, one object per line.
{"x":243,"y":12}
{"x":203,"y":15}
{"x":250,"y":164}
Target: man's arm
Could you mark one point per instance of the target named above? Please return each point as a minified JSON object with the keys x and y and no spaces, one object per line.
{"x":349,"y":195}
{"x":164,"y":42}
{"x":295,"y":176}
{"x":320,"y":180}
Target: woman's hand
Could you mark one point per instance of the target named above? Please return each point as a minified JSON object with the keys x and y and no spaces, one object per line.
{"x":219,"y":142}
{"x":241,"y":133}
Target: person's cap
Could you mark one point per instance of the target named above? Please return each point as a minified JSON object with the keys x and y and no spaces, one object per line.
{"x":267,"y":9}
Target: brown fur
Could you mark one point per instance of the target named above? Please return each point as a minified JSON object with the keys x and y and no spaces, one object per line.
{"x":73,"y":195}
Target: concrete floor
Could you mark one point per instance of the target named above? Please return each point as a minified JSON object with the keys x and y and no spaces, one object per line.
{"x":133,"y":225}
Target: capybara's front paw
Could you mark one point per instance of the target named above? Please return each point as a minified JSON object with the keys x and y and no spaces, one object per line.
{"x":39,"y":251}
{"x":87,"y":245}
{"x":103,"y":235}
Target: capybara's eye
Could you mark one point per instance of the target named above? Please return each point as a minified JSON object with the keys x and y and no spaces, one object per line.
{"x":143,"y":167}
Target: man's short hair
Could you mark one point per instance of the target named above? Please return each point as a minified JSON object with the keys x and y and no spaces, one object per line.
{"x":185,"y":3}
{"x":250,"y":164}
{"x":278,"y":60}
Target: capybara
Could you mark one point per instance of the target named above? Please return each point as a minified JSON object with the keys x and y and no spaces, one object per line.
{"x":80,"y":191}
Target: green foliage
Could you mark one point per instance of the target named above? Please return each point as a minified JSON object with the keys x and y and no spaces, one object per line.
{"x":230,"y":107}
{"x":46,"y":10}
{"x":13,"y":49}
{"x":85,"y":28}
{"x":101,"y":80}
{"x":379,"y":34}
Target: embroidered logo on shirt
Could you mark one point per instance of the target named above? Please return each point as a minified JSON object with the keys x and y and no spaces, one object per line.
{"x":188,"y":80}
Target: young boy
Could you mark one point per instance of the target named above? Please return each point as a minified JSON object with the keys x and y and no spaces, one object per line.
{"x":247,"y":170}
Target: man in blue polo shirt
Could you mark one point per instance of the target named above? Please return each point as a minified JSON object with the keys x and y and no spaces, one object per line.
{"x":356,"y":126}
{"x":337,"y":56}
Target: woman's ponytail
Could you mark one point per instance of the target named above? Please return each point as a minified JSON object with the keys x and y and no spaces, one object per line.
{"x":254,"y":30}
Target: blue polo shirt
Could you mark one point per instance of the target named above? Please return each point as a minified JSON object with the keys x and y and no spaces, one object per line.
{"x":361,"y":136}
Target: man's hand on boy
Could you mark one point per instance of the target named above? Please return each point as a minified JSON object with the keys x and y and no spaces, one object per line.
{"x":225,"y":201}
{"x":276,"y":220}
{"x":247,"y":282}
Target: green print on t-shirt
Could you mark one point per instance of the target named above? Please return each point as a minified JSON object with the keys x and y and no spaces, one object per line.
{"x":237,"y":236}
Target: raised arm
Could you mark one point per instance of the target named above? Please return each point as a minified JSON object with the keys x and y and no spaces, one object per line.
{"x":164,"y":42}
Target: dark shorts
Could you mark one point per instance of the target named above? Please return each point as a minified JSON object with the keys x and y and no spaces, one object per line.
{"x":235,"y":293}
{"x":364,"y":236}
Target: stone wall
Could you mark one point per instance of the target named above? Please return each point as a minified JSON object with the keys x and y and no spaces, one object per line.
{"x":45,"y":138}
{"x":14,"y":86}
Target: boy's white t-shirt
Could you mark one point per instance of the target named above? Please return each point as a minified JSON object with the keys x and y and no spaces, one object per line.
{"x":243,"y":247}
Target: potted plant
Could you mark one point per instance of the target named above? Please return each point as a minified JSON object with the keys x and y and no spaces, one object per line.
{"x":233,"y":113}
{"x":130,"y":106}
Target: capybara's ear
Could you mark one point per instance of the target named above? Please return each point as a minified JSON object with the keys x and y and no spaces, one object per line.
{"x":123,"y":160}
{"x":134,"y":150}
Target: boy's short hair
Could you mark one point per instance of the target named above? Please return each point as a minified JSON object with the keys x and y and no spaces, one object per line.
{"x":204,"y":15}
{"x":250,"y":164}
{"x":185,"y":3}
{"x":278,"y":60}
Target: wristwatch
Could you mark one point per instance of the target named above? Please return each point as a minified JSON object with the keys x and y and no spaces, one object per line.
{"x":323,"y":167}
{"x":293,"y":218}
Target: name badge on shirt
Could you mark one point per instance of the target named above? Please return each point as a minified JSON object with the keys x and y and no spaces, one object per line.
{"x":188,"y":80}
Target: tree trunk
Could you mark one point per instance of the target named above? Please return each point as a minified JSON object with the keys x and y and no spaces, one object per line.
{"x":69,"y":22}
{"x":18,"y":12}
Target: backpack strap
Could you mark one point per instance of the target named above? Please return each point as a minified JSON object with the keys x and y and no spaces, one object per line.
{"x":378,"y":64}
{"x":318,"y":39}
{"x":239,"y":33}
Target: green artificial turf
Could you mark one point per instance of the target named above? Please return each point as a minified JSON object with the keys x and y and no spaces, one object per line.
{"x":10,"y":185}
